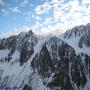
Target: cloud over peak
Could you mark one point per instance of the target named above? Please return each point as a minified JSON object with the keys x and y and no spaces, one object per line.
{"x":65,"y":13}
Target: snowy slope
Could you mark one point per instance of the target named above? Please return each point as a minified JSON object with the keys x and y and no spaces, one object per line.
{"x":79,"y":38}
{"x":3,"y":53}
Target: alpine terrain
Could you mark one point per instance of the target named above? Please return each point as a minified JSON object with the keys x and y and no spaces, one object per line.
{"x":53,"y":62}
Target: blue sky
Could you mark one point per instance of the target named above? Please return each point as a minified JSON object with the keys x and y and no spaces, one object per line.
{"x":43,"y":15}
{"x":16,"y":13}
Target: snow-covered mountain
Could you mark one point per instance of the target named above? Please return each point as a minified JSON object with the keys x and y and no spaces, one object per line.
{"x":32,"y":62}
{"x":79,"y":38}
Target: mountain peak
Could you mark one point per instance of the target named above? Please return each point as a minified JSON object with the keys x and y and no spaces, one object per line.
{"x":78,"y":31}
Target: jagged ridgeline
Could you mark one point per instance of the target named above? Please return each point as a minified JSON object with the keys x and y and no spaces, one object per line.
{"x":32,"y":62}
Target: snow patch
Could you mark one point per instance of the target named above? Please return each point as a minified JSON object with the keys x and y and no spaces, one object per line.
{"x":16,"y":56}
{"x":4,"y":53}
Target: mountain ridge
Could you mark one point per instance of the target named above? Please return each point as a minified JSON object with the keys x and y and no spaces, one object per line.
{"x":57,"y":62}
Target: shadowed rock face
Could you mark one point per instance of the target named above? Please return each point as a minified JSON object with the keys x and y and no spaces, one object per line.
{"x":67,"y":67}
{"x":26,"y":87}
{"x":84,"y":40}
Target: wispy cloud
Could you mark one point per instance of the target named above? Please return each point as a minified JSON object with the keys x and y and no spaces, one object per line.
{"x":41,"y":9}
{"x":15,"y":9}
{"x":5,"y":12}
{"x":52,"y":14}
{"x":65,"y":15}
{"x":15,"y":31}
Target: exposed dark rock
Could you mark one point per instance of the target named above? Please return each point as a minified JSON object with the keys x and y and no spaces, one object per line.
{"x":27,"y":87}
{"x":68,"y":66}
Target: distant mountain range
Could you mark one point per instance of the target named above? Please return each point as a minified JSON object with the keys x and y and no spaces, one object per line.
{"x":53,"y":62}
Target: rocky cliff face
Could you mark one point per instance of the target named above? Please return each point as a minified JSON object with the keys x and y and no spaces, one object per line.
{"x":29,"y":62}
{"x":59,"y":62}
{"x":24,"y":43}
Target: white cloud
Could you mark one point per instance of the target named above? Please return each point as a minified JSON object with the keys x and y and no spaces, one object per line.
{"x":55,"y":1}
{"x":43,"y":8}
{"x":15,"y":31}
{"x":48,"y":21}
{"x":37,"y":17}
{"x":37,"y":26}
{"x":65,"y":15}
{"x":28,"y":19}
{"x":74,"y":4}
{"x":85,"y":1}
{"x":15,"y":9}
